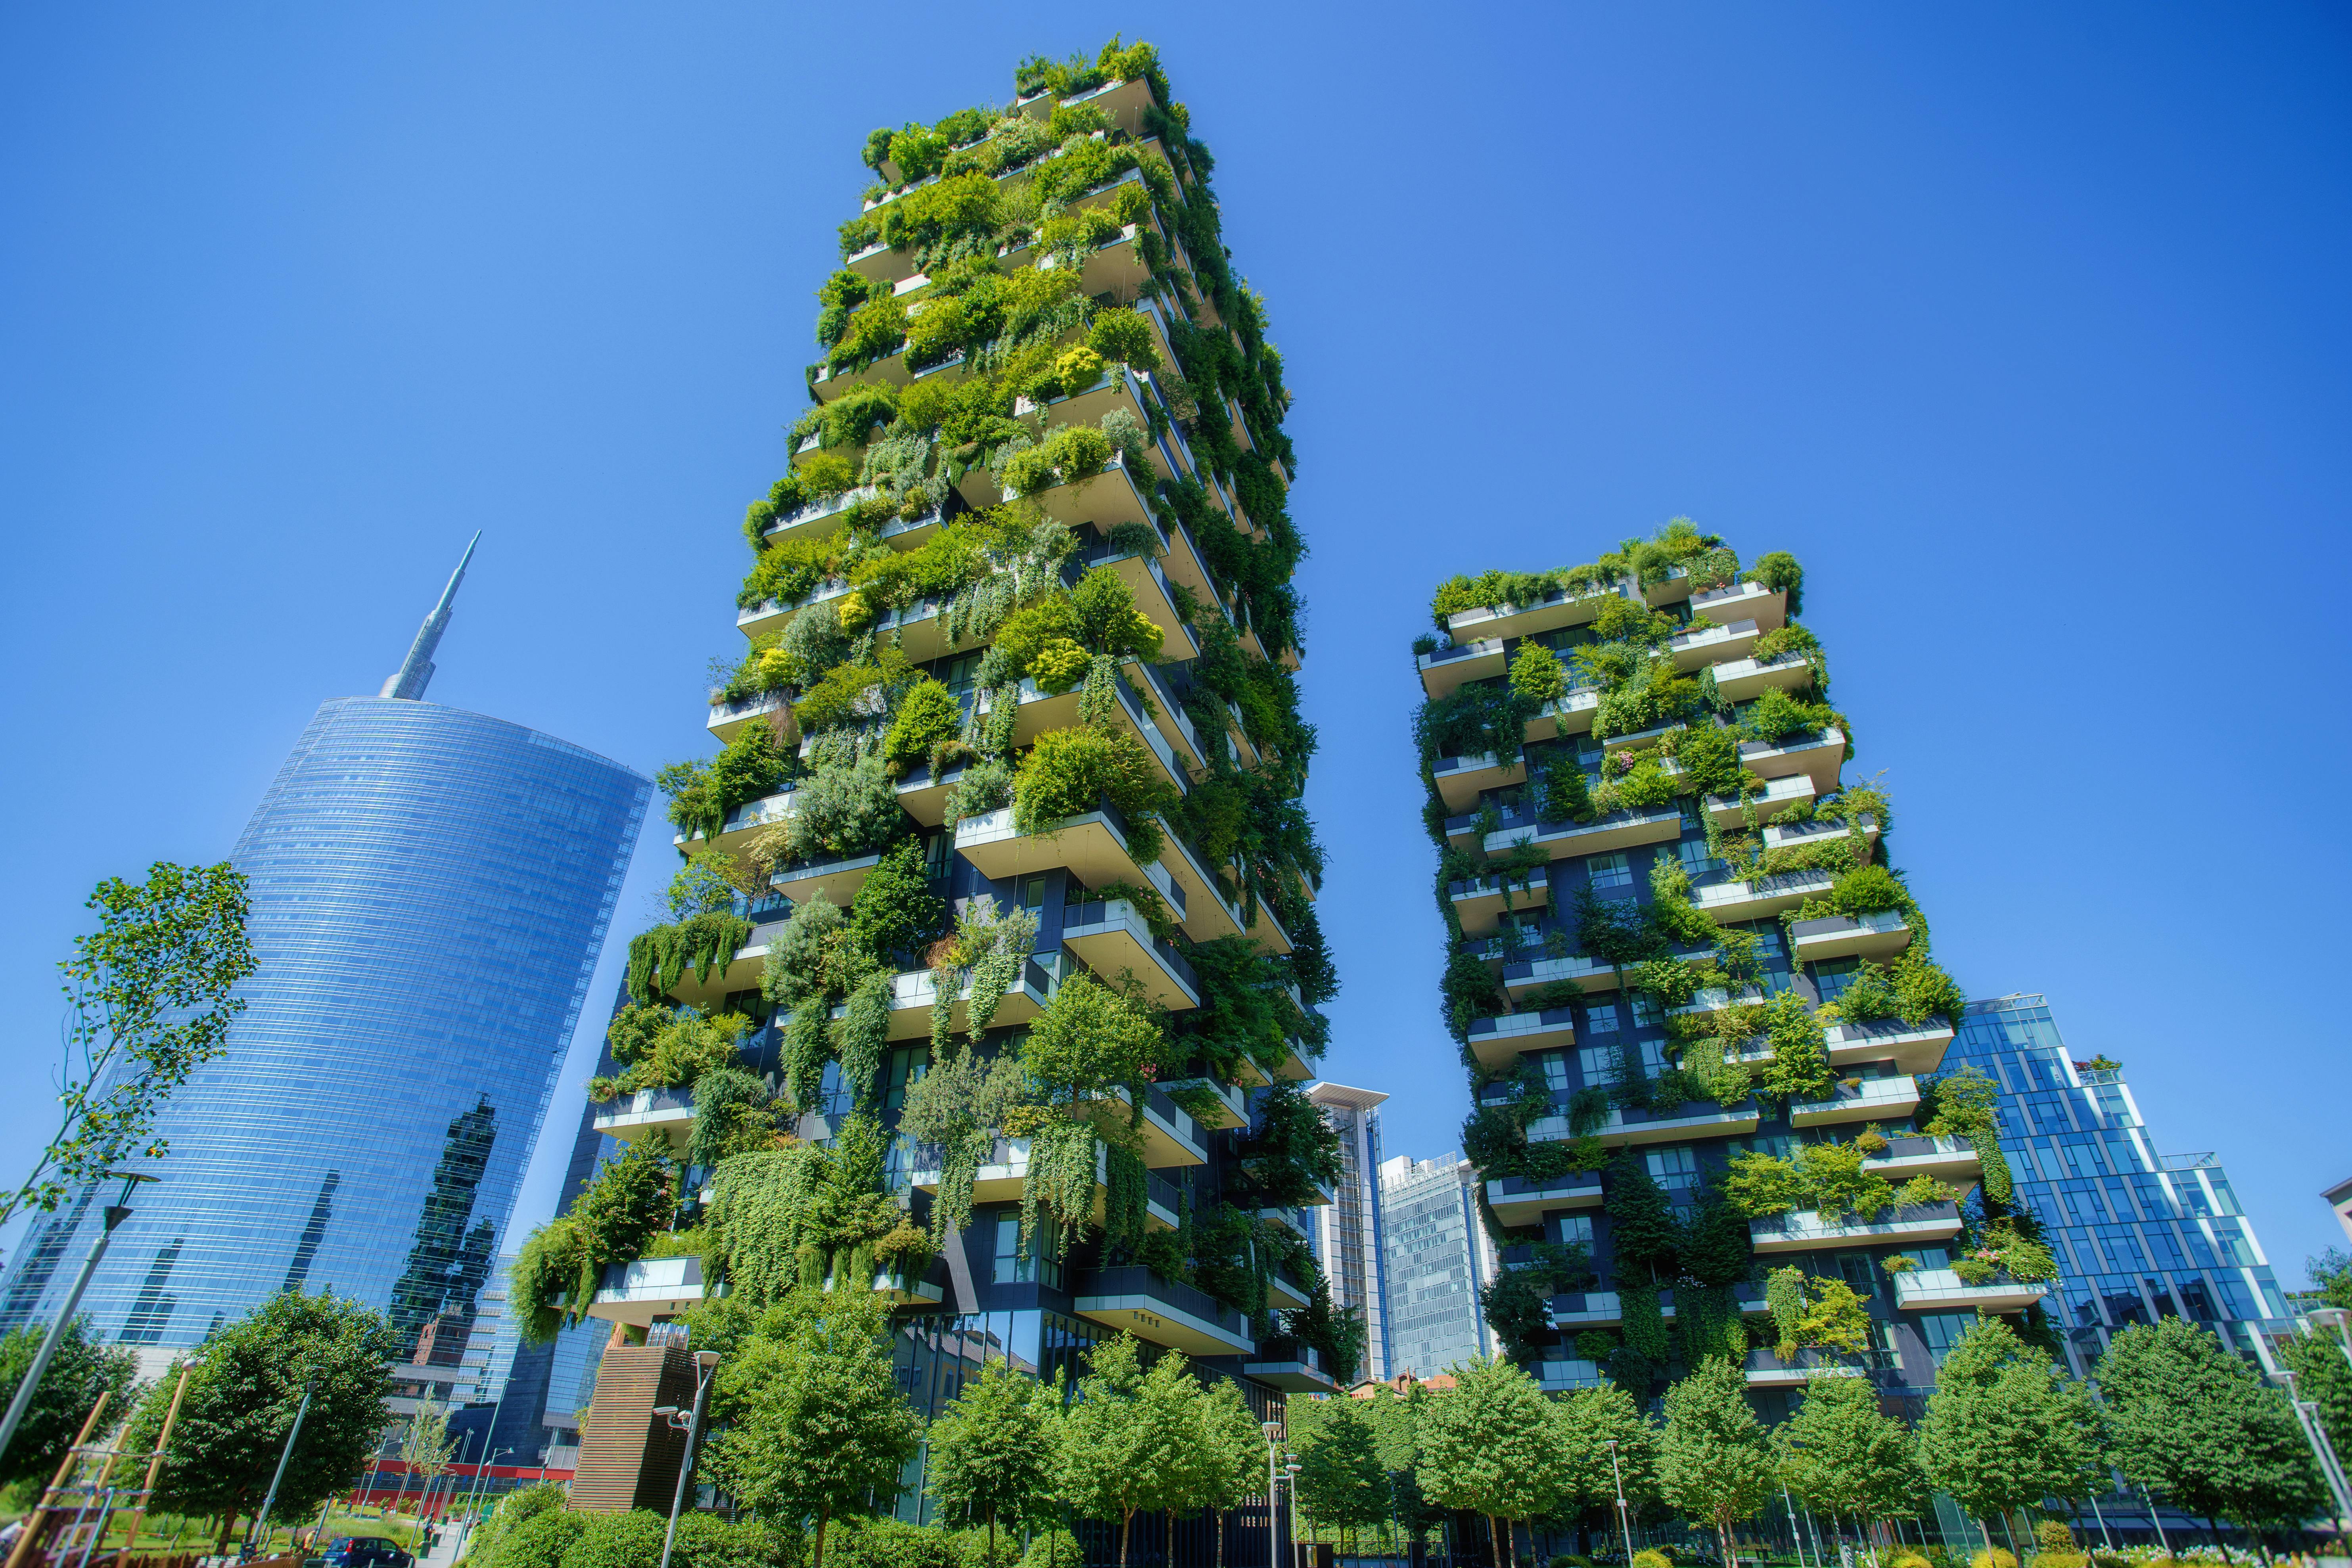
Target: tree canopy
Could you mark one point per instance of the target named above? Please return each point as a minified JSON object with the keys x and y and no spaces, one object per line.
{"x":2187,"y":1419}
{"x":1715,"y":1462}
{"x":80,"y":1371}
{"x":2005,"y":1428}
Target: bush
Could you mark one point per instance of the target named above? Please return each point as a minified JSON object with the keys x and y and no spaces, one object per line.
{"x":542,"y":1541}
{"x":1536,"y":675}
{"x":1053,"y":1549}
{"x":1652,"y":1557}
{"x":927,"y":715}
{"x":884,"y":1542}
{"x":515,"y":1509}
{"x":1995,"y":1558}
{"x":1907,"y":1559}
{"x":1124,"y":336}
{"x":1068,"y":771}
{"x":630,"y":1540}
{"x":843,"y":811}
{"x":706,"y":1540}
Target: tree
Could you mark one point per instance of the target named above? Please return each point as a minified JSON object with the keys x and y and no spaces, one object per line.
{"x":1486,"y":1446}
{"x":81,"y":1370}
{"x":808,"y":1419}
{"x":1107,"y":1440}
{"x":2322,"y":1376}
{"x":1340,"y":1479}
{"x":1715,"y":1462}
{"x":147,"y":1003}
{"x":2332,"y":1271}
{"x":993,"y":1449}
{"x":240,"y":1404}
{"x":1234,"y":1448}
{"x":2188,"y":1419}
{"x":426,"y":1445}
{"x":1587,"y":1421}
{"x":2005,"y":1428}
{"x":1842,"y":1456}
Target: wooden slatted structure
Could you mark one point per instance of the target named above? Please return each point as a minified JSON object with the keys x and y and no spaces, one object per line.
{"x":628,"y":1455}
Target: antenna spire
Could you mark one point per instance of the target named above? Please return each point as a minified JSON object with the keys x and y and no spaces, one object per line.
{"x":417,"y":670}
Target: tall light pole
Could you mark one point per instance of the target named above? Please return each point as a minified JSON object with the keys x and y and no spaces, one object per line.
{"x":116,"y":1213}
{"x":1624,"y":1516}
{"x":2306,"y":1414}
{"x":284,"y":1455}
{"x":689,"y":1423}
{"x":1273,"y":1491}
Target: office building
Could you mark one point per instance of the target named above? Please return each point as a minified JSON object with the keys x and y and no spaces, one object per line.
{"x":1022,"y":596}
{"x":1655,"y":875}
{"x":1436,"y":1260}
{"x":2339,"y":1198}
{"x":1349,"y":1233}
{"x":2138,"y":1234}
{"x":430,"y":890}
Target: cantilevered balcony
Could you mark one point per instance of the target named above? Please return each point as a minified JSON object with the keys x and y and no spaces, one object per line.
{"x":1577,"y":1309}
{"x":650,"y":1288}
{"x":1480,"y":901}
{"x":1911,"y":1048}
{"x":1564,"y":1374}
{"x":912,"y":992}
{"x":1106,"y":499}
{"x":818,"y":518}
{"x":1942,"y":1290}
{"x":838,"y":877}
{"x":1805,"y":1231}
{"x":1498,"y":1042}
{"x":1147,"y":580}
{"x":1766,"y":1368}
{"x":906,"y":1292}
{"x":1872,"y":1099}
{"x":1521,"y":975}
{"x":1555,"y":610}
{"x":1767,"y":608}
{"x":1524,"y":1200}
{"x":1628,"y":1125}
{"x":1777,"y":796}
{"x":664,"y":1114}
{"x":740,"y":973}
{"x":743,"y":824}
{"x":1618,"y":830}
{"x":1716,"y":998}
{"x":1287,"y":1364}
{"x":1726,"y":902}
{"x":1459,"y":779}
{"x":1113,"y":939}
{"x":1873,"y":936}
{"x":729,"y":719}
{"x":1042,"y":710}
{"x":1818,"y":757}
{"x":1229,"y":1109}
{"x":1161,"y":1311}
{"x":1569,"y":713}
{"x":1741,"y":679}
{"x":1713,"y":645}
{"x":1093,"y":846}
{"x":1171,"y":1137}
{"x":1642,"y":739}
{"x":1445,"y":671}
{"x":1281,"y":1290}
{"x":1953,"y":1161}
{"x":1006,"y":1173}
{"x":1796,"y":835}
{"x":1294,"y":1220}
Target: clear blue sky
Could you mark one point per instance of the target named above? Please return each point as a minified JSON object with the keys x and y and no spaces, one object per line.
{"x":2024,"y":327}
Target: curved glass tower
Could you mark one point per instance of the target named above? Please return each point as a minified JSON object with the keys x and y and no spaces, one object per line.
{"x":431,"y":888}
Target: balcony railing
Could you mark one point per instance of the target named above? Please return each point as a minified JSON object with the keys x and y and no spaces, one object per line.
{"x":1116,"y":912}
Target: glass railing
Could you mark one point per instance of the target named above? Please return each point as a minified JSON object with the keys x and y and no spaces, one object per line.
{"x":1119,"y":911}
{"x":1134,"y":1279}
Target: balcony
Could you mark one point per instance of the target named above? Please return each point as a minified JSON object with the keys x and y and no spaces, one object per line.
{"x":1633,"y":1125}
{"x":729,"y":719}
{"x":1618,"y":830}
{"x":650,"y":1288}
{"x":916,"y":1293}
{"x":1113,"y":939}
{"x":1231,"y":1109}
{"x":1295,"y":1220}
{"x":1713,"y":645}
{"x":1777,"y":796}
{"x":1105,"y":499}
{"x":1285,"y":1293}
{"x":742,"y":824}
{"x":1524,"y":1200}
{"x":1818,"y":757}
{"x":1568,"y":1373}
{"x":1950,"y":1160}
{"x":1171,"y":1136}
{"x":1766,"y":1370}
{"x":925,"y":798}
{"x":816,"y":518}
{"x":1742,"y":679}
{"x":1480,"y":901}
{"x":1940,"y":1290}
{"x":1043,"y":711}
{"x":1909,"y":1048}
{"x":1585,"y":1309}
{"x":1175,"y":725}
{"x":1555,"y":610}
{"x":1006,"y":1173}
{"x":740,"y":973}
{"x":1726,"y":902}
{"x":1570,"y":713}
{"x":1796,"y":835}
{"x":838,"y":877}
{"x":1148,"y":582}
{"x":1805,"y":1231}
{"x":1459,"y":779}
{"x":1163,"y":1312}
{"x":912,"y":991}
{"x":1873,"y":936}
{"x":1767,"y":608}
{"x":1716,"y":998}
{"x":1290,"y":1366}
{"x":1873,"y":1099}
{"x":667,"y":1113}
{"x":1498,"y":1042}
{"x":1093,"y":846}
{"x":1446,"y":670}
{"x":1642,"y":739}
{"x":1523,"y":975}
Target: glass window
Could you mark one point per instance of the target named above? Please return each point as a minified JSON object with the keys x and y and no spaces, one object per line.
{"x":904,"y":1066}
{"x":1598,"y":1064}
{"x":1832,"y":976}
{"x":1698,"y":864}
{"x":1601,"y":1018}
{"x":958,"y":674}
{"x":1555,"y":1072}
{"x":1676,"y":1165}
{"x":1017,"y":1266}
{"x":1571,"y":1228}
{"x":1609,"y":871}
{"x":1032,"y":892}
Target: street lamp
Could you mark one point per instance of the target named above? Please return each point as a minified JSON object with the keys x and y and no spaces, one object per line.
{"x":116,"y":1213}
{"x":285,"y":1455}
{"x":2306,"y":1414}
{"x":1291,"y":1467}
{"x":2335,"y":1317}
{"x":690,"y":1423}
{"x":1624,"y":1518}
{"x":1272,"y":1429}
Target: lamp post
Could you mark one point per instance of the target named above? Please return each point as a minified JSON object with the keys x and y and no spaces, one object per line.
{"x":2335,"y":1317}
{"x":116,"y":1213}
{"x":481,"y":1483}
{"x":1291,"y":1468}
{"x":269,"y":1499}
{"x":1796,"y":1533}
{"x":689,"y":1423}
{"x":1272,"y":1429}
{"x":1624,"y":1516}
{"x":2306,"y":1414}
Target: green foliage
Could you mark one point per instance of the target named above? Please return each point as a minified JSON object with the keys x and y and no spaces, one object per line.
{"x":1536,"y":675}
{"x":1068,"y":772}
{"x":843,"y":811}
{"x":662,"y":1048}
{"x":513,"y":1510}
{"x":660,"y":958}
{"x":539,"y":1542}
{"x":1641,"y":1222}
{"x":1488,"y":1445}
{"x":731,"y":1116}
{"x":1292,"y":1148}
{"x":147,"y":1001}
{"x":993,"y":1450}
{"x":2190,"y":1421}
{"x":1125,"y":336}
{"x":748,"y":768}
{"x":2005,"y":1428}
{"x":240,"y":1404}
{"x":1842,"y":1455}
{"x":894,"y":910}
{"x":80,"y":1371}
{"x":1715,"y":1462}
{"x":1779,"y":570}
{"x":927,"y":714}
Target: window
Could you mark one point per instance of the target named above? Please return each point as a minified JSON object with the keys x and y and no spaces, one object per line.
{"x":1859,"y":1271}
{"x":1608,"y":871}
{"x":1698,"y":864}
{"x":1647,"y":1014}
{"x":1568,"y":1230}
{"x":1832,"y":976}
{"x":1555,"y":1072}
{"x":904,"y":1066}
{"x":1676,"y":1165}
{"x":1032,"y":892}
{"x":1014,"y":1267}
{"x":935,"y":855}
{"x":1942,"y":1330}
{"x":957,"y":674}
{"x":1601,"y":1018}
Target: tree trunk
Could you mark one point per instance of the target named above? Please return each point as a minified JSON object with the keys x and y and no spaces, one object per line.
{"x":992,"y":1538}
{"x":1221,"y":1537}
{"x":824,"y":1518}
{"x":1126,"y":1520}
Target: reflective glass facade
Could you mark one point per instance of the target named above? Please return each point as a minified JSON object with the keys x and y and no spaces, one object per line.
{"x":431,"y":888}
{"x":1436,"y":1259}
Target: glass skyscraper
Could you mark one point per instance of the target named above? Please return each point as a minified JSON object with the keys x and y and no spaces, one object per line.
{"x":1347,"y":1231}
{"x":430,"y":890}
{"x":2138,"y":1235}
{"x":1435,"y":1260}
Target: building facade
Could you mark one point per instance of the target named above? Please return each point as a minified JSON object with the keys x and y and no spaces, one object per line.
{"x":1686,"y":985}
{"x":430,"y":890}
{"x":2139,"y":1235}
{"x":1350,"y":1234}
{"x":1436,"y":1260}
{"x":1014,"y":739}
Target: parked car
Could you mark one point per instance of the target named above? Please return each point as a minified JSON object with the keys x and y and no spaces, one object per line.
{"x":367,"y":1552}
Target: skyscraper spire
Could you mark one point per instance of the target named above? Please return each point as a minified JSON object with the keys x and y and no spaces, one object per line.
{"x":417,"y":670}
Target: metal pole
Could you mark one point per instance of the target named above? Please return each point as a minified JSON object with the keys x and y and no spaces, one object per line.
{"x":32,"y":1531}
{"x":115,"y":1215}
{"x":1624,"y":1518}
{"x":155,"y":1463}
{"x":2307,"y":1415}
{"x":284,"y":1455}
{"x":2104,"y":1536}
{"x":1795,"y":1533}
{"x":704,"y":1362}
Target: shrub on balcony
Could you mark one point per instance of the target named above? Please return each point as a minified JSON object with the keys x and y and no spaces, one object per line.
{"x":1291,"y":1150}
{"x":1780,"y":571}
{"x":660,"y":958}
{"x":1536,"y":675}
{"x":843,"y":811}
{"x":1068,"y":771}
{"x":661,"y":1049}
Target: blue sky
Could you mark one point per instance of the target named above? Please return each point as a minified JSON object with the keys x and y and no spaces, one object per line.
{"x":2023,"y":327}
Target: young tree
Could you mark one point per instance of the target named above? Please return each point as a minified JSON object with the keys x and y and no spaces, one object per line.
{"x":1118,"y":1448}
{"x":80,"y":1371}
{"x":240,"y":1404}
{"x":147,"y":1003}
{"x":1340,"y":1480}
{"x":1842,"y":1456}
{"x":1235,"y":1449}
{"x":1587,"y":1422}
{"x":2005,"y":1428}
{"x":1183,"y":1460}
{"x":2322,"y":1376}
{"x":2188,"y":1419}
{"x":993,"y":1449}
{"x":808,"y":1420}
{"x":426,"y":1445}
{"x":1488,"y":1445}
{"x":1715,"y":1462}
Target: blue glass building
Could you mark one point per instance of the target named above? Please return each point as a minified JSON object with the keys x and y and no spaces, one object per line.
{"x":430,"y":891}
